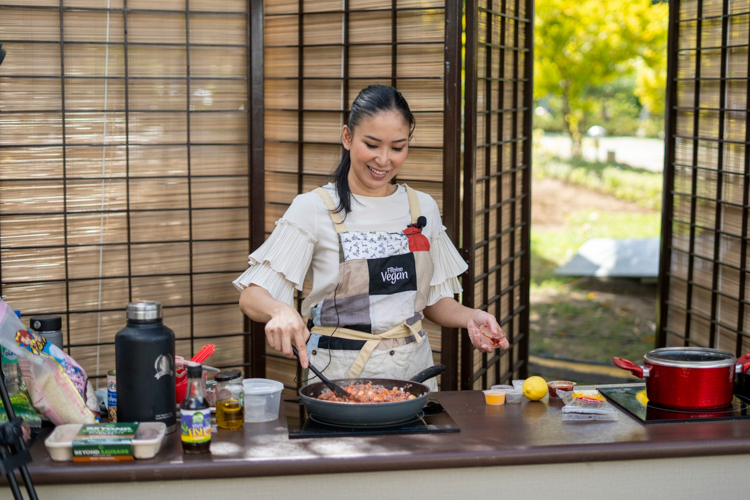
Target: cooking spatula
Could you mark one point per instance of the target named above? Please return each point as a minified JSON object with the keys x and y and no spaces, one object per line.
{"x":337,"y":389}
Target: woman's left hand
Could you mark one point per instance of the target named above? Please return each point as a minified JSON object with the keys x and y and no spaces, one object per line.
{"x":485,"y":333}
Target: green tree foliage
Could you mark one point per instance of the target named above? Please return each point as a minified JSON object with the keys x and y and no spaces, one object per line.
{"x":585,"y":48}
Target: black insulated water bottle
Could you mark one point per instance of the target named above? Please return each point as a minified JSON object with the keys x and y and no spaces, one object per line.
{"x":144,"y":357}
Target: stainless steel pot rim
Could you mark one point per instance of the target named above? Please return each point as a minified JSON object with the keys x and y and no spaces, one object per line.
{"x":653,"y":357}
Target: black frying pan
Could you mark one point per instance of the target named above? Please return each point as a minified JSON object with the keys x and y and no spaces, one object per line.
{"x":370,"y":413}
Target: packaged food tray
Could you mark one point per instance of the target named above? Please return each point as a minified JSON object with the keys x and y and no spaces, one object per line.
{"x":147,"y":442}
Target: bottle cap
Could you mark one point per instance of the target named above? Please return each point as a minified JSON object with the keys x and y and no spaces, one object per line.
{"x":144,"y":310}
{"x":227,"y":375}
{"x":194,"y":370}
{"x":46,"y":323}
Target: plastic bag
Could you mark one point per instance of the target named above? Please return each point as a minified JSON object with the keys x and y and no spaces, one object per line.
{"x":23,"y":408}
{"x":58,"y":386}
{"x":586,"y":405}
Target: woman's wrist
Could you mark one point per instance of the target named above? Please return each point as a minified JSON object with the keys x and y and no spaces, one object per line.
{"x":258,"y":304}
{"x":280,"y":309}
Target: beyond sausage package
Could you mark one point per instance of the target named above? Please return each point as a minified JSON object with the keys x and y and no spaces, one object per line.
{"x":58,"y":386}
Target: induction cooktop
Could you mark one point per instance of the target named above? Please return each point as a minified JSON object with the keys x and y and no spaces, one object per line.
{"x":433,"y":418}
{"x":631,"y":400}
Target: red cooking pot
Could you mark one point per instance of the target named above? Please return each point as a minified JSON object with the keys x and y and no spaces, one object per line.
{"x":688,"y":377}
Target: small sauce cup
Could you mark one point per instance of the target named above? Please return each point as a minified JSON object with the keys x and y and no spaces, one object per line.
{"x":514,"y":396}
{"x":504,"y":388}
{"x":559,"y":386}
{"x":494,"y":397}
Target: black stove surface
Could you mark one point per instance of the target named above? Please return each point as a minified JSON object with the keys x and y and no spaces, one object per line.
{"x":433,"y":418}
{"x":630,"y":400}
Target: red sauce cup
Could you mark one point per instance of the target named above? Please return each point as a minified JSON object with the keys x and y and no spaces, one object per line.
{"x":559,"y":386}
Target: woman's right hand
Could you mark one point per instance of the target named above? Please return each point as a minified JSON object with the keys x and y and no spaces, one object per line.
{"x":284,"y":327}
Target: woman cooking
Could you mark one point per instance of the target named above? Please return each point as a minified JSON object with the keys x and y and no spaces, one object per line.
{"x":376,"y":254}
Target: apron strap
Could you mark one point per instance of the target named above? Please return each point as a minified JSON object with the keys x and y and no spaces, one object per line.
{"x":413,"y":204}
{"x":371,"y":340}
{"x":338,"y":222}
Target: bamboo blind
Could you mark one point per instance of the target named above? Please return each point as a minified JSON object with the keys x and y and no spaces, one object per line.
{"x":497,"y":181}
{"x":704,"y":286}
{"x":318,"y":56}
{"x":124,"y":168}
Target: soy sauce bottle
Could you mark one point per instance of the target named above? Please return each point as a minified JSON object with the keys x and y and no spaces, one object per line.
{"x":196,"y":414}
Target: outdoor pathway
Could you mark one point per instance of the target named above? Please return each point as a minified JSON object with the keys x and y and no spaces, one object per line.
{"x":634,"y":151}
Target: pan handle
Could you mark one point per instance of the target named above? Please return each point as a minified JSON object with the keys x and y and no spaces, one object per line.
{"x":631,"y":367}
{"x":427,"y":374}
{"x":743,"y":364}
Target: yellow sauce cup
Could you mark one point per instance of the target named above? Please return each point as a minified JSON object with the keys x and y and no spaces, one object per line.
{"x":494,"y":397}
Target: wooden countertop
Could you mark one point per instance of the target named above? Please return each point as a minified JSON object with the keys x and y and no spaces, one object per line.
{"x":513,"y":434}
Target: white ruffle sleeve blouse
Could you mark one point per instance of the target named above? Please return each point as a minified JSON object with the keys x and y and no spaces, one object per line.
{"x":304,"y":244}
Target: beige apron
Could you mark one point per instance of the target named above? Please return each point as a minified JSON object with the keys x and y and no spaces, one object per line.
{"x":371,"y":324}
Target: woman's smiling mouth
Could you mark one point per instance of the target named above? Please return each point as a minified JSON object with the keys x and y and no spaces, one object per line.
{"x":379,"y":173}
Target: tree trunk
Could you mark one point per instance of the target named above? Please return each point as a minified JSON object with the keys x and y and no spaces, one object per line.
{"x":571,"y":123}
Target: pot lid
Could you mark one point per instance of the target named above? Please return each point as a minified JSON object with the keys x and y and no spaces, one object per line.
{"x":690,"y":357}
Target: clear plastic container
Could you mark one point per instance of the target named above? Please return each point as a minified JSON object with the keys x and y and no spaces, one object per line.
{"x":148,"y":440}
{"x":262,"y":399}
{"x":501,"y":388}
{"x":513,"y":397}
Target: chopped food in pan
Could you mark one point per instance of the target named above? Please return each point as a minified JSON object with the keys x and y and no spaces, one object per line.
{"x":368,"y":393}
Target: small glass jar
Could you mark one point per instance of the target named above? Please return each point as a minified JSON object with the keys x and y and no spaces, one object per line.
{"x":230,"y":399}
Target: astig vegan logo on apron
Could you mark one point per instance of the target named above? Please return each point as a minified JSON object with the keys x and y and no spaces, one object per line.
{"x":391,"y":275}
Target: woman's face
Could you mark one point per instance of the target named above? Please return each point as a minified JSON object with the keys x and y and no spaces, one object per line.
{"x":377,"y":147}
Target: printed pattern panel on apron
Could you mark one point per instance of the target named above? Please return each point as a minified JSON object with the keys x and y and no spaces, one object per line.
{"x":378,"y":281}
{"x":372,"y":245}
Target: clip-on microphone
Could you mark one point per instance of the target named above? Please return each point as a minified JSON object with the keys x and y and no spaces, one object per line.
{"x":421,"y":222}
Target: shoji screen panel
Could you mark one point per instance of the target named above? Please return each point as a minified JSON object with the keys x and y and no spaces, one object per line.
{"x":124,"y":168}
{"x":703,"y":278}
{"x":318,"y":55}
{"x":497,"y":175}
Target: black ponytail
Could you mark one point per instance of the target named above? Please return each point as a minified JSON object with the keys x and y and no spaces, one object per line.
{"x":370,"y":101}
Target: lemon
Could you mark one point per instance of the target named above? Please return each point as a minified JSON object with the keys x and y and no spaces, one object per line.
{"x":641,"y":397}
{"x":534,"y":388}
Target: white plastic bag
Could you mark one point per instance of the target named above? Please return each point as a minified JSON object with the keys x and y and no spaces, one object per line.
{"x":58,"y":386}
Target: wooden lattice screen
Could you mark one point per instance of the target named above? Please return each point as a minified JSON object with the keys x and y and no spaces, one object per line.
{"x":131,"y":168}
{"x":704,"y":266}
{"x":496,"y":203}
{"x":318,"y":55}
{"x":124,"y":167}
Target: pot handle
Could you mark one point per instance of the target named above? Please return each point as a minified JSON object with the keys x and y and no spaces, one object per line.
{"x":743,"y":364}
{"x":631,"y":367}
